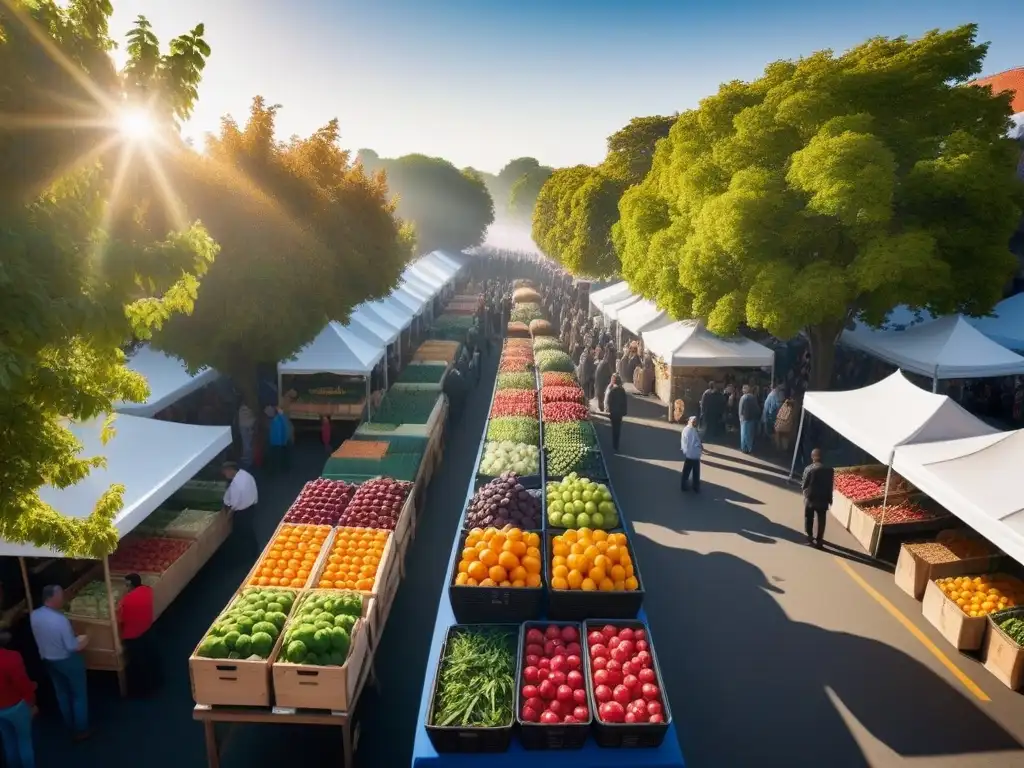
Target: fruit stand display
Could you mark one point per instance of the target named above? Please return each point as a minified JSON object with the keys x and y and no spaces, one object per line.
{"x":452,"y":327}
{"x":903,"y":515}
{"x":952,"y":553}
{"x":311,"y":396}
{"x":537,"y":677}
{"x":862,"y":484}
{"x":435,"y":350}
{"x":959,"y":606}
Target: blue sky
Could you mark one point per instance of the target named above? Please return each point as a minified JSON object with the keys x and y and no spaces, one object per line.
{"x":482,"y":81}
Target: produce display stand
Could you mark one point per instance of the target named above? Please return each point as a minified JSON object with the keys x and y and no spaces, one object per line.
{"x":1000,"y":654}
{"x":965,"y":633}
{"x":913,"y":573}
{"x":841,"y":505}
{"x":868,"y":530}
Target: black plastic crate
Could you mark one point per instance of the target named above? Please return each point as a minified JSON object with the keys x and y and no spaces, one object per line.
{"x":561,"y":735}
{"x":498,"y":605}
{"x":600,"y":480}
{"x":531,"y":482}
{"x":577,"y":605}
{"x":630,"y":735}
{"x":467,"y":739}
{"x":537,"y":492}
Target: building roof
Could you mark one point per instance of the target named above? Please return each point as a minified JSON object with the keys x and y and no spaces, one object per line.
{"x":1010,"y":80}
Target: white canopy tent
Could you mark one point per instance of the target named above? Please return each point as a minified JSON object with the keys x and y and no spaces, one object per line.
{"x":409,"y":300}
{"x":643,"y":316}
{"x":687,"y":343}
{"x":422,"y":283}
{"x":334,"y":350}
{"x":151,"y":459}
{"x":169,"y":381}
{"x":947,"y":348}
{"x":455,"y":261}
{"x":431,"y":272}
{"x":615,"y":292}
{"x":392,"y":312}
{"x":1006,"y":324}
{"x":364,"y":317}
{"x":975,"y":478}
{"x":612,"y":309}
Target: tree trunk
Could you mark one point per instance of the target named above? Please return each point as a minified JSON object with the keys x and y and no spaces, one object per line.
{"x":823,"y":339}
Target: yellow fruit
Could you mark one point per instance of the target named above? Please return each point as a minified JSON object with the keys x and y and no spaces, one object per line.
{"x":559,"y":583}
{"x":575,"y":579}
{"x":559,"y":549}
{"x":560,"y":571}
{"x":569,"y":536}
{"x":631,"y":584}
{"x":558,"y":560}
{"x":588,"y":585}
{"x":597,"y":575}
{"x":488,"y":583}
{"x":533,"y":579}
{"x":508,"y":561}
{"x":497,"y":574}
{"x":462,"y":578}
{"x":600,"y":535}
{"x":606,"y":585}
{"x":518,"y":574}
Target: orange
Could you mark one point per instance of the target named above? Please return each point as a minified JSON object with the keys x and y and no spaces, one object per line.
{"x":533,"y":552}
{"x":569,"y":535}
{"x":632,"y":584}
{"x":505,"y":583}
{"x":575,"y":579}
{"x":477,"y":570}
{"x":588,"y":585}
{"x":597,"y":575}
{"x":489,"y":557}
{"x":531,"y":564}
{"x":560,"y":571}
{"x":263,"y":581}
{"x":462,"y":578}
{"x":463,"y":566}
{"x":532,"y":539}
{"x":599,"y":535}
{"x":591,"y":553}
{"x":518,"y":573}
{"x":557,"y":583}
{"x":559,"y":560}
{"x":618,"y":573}
{"x":519,"y":583}
{"x":497,"y":573}
{"x":508,"y":561}
{"x":533,"y":579}
{"x":601,"y":561}
{"x":519,"y":548}
{"x":559,"y":549}
{"x":488,"y":583}
{"x":606,"y":585}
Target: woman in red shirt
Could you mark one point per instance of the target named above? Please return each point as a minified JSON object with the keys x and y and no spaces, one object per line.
{"x":17,"y":706}
{"x":135,"y":617}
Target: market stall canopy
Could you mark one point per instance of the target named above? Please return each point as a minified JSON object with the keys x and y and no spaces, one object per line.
{"x":1006,"y":324}
{"x":429,"y":274}
{"x":409,"y":300}
{"x":457,"y":261}
{"x":611,"y":309}
{"x":392,"y":312}
{"x":614,"y":292}
{"x":947,"y":348}
{"x":438,"y":263}
{"x":169,"y":381}
{"x":891,"y":413}
{"x":976,"y":479}
{"x":687,"y":343}
{"x":430,"y":284}
{"x":335,"y":350}
{"x":152,"y":459}
{"x":363,"y":317}
{"x":414,"y":287}
{"x":643,"y":316}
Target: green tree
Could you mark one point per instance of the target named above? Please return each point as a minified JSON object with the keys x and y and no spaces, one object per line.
{"x":832,"y":188}
{"x":448,"y":208}
{"x":83,"y":272}
{"x":305,"y":236}
{"x":523,"y":195}
{"x":577,"y":207}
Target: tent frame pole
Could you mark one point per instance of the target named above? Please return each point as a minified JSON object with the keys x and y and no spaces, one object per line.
{"x":796,"y":445}
{"x":369,"y":396}
{"x":885,"y":504}
{"x":25,"y":581}
{"x":115,"y":630}
{"x":935,"y":381}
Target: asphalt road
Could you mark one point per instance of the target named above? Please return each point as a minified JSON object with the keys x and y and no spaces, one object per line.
{"x":774,"y":654}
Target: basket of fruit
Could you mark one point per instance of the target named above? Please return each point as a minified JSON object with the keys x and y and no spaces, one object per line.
{"x":497,"y":576}
{"x":472,"y":699}
{"x":901,"y":516}
{"x":554,"y":707}
{"x":591,"y":573}
{"x":860,"y":484}
{"x":627,"y":685}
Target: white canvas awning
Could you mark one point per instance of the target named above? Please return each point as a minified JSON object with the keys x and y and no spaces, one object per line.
{"x":643,"y":316}
{"x":893,"y":412}
{"x":1006,"y":324}
{"x":394,"y":313}
{"x":614,"y":292}
{"x":429,"y":284}
{"x":335,"y":350}
{"x":415,"y":288}
{"x":428,"y":274}
{"x":456,"y":261}
{"x":438,"y":262}
{"x":687,"y":343}
{"x":975,"y":478}
{"x":409,"y":300}
{"x":363,"y":317}
{"x":612,"y":309}
{"x":947,"y":348}
{"x":152,"y":459}
{"x":169,"y":381}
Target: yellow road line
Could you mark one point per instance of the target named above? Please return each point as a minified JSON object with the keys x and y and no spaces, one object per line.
{"x":958,"y":673}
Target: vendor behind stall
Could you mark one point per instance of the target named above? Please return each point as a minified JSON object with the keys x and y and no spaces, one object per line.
{"x":134,"y":618}
{"x":240,"y":500}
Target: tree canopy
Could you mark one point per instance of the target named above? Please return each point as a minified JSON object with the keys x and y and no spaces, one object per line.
{"x":448,"y":208}
{"x":831,"y":188}
{"x":523,"y":195}
{"x":305,"y":235}
{"x":577,"y":207}
{"x":85,"y":269}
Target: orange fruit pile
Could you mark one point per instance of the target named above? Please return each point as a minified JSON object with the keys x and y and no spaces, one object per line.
{"x":505,"y":558}
{"x":592,"y":560}
{"x":290,"y":557}
{"x":354,"y":559}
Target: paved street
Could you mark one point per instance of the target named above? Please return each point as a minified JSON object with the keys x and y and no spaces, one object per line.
{"x":774,"y":653}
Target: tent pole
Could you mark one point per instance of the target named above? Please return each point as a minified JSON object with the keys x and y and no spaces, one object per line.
{"x":369,"y":398}
{"x":796,"y":445}
{"x":28,"y":586}
{"x":115,"y":630}
{"x":935,"y":381}
{"x":885,"y":503}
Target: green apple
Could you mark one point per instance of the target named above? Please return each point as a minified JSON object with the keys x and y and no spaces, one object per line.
{"x":583,"y":521}
{"x":568,"y":520}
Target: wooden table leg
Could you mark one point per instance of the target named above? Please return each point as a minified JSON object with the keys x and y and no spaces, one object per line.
{"x":346,"y":735}
{"x":212,"y":753}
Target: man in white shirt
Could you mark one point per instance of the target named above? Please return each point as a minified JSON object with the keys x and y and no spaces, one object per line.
{"x":692,"y":448}
{"x":240,"y":500}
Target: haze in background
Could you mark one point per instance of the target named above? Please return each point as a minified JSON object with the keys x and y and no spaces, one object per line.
{"x":480,"y":83}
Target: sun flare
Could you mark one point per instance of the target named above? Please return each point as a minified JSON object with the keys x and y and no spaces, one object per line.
{"x":136,"y":124}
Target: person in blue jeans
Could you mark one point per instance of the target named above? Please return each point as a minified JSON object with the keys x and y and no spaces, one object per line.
{"x":17,"y":706}
{"x":61,"y":652}
{"x":749,"y":413}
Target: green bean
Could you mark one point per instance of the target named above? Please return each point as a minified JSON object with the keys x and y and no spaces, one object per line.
{"x":476,"y":682}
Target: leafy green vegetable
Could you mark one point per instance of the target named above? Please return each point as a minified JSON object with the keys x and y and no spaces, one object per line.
{"x":514,"y":429}
{"x":476,"y":680}
{"x":553,"y":360}
{"x":1014,"y":627}
{"x":517,"y":380}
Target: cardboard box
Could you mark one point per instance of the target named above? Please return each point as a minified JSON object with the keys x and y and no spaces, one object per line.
{"x":913,"y":573}
{"x":314,"y":687}
{"x":867,"y":530}
{"x":1000,"y":654}
{"x":842,"y":505}
{"x":964,"y":632}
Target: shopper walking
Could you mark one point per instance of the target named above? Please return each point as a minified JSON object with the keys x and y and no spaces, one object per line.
{"x":61,"y":652}
{"x":817,"y":487}
{"x":134,"y":619}
{"x":749,"y":412}
{"x":616,"y":402}
{"x":326,"y":434}
{"x":602,"y":377}
{"x":279,"y":458}
{"x":17,"y":707}
{"x":240,"y":501}
{"x":692,"y":448}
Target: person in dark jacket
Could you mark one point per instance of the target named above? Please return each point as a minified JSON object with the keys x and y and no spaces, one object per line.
{"x":602,"y":378}
{"x":616,"y":402}
{"x":586,"y":372}
{"x":817,"y":487}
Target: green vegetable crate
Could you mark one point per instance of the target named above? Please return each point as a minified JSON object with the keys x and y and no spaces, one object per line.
{"x":315,"y":686}
{"x":482,"y":605}
{"x":476,"y":661}
{"x":577,"y":605}
{"x":630,"y":735}
{"x":234,"y":682}
{"x":560,"y":735}
{"x":1001,"y":654}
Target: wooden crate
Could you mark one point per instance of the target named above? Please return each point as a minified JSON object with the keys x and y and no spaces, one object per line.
{"x":302,"y":686}
{"x":214,"y":537}
{"x":842,"y":506}
{"x":388,"y":562}
{"x":913,"y":573}
{"x":259,"y":560}
{"x":405,"y":526}
{"x":1000,"y":654}
{"x":867,"y":530}
{"x":234,"y":682}
{"x":965,"y":633}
